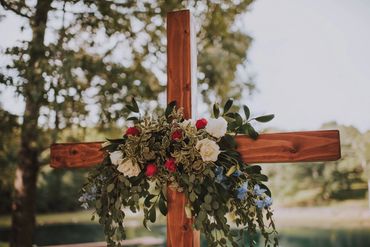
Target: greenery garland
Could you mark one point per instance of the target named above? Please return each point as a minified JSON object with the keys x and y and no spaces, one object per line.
{"x":197,"y":158}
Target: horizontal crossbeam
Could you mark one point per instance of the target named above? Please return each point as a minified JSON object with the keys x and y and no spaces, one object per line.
{"x":306,"y":146}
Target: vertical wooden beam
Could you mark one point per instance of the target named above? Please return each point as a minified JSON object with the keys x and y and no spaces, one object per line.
{"x":181,"y":86}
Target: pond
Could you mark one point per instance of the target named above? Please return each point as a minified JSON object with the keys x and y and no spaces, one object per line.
{"x":302,"y":237}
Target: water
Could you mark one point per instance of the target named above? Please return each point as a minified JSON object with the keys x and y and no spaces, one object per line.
{"x":302,"y":237}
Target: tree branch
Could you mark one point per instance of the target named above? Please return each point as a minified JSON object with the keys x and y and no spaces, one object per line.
{"x":7,"y":6}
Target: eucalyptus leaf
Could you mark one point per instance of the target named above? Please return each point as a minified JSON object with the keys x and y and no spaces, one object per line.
{"x":135,"y":119}
{"x":265,"y":118}
{"x":152,"y":215}
{"x":162,"y":205}
{"x":228,"y":105}
{"x":132,"y":108}
{"x":247,"y":112}
{"x":216,"y":110}
{"x":110,"y":187}
{"x":231,"y":171}
{"x":208,"y":199}
{"x":134,"y":104}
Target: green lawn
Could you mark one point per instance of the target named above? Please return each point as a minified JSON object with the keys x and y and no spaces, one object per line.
{"x":55,"y":218}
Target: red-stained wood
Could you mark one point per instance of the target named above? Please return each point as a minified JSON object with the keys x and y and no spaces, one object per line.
{"x":179,"y":60}
{"x":322,"y":145}
{"x":76,"y":155}
{"x":303,"y":146}
{"x":180,"y":87}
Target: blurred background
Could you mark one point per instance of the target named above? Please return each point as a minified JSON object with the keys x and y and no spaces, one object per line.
{"x":67,"y":68}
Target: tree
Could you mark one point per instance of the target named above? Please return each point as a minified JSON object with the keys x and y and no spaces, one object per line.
{"x":85,"y":55}
{"x":9,"y":143}
{"x":326,"y":181}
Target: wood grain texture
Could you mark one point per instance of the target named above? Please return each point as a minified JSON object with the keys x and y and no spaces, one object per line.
{"x":179,"y":59}
{"x":304,"y":146}
{"x":76,"y":155}
{"x":180,"y":52}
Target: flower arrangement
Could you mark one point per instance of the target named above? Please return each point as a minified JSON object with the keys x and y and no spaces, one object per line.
{"x":198,"y":158}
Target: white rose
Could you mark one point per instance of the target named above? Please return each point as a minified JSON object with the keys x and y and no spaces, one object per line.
{"x":188,"y":122}
{"x":208,"y":149}
{"x":116,"y":157}
{"x":217,"y":127}
{"x":128,"y":168}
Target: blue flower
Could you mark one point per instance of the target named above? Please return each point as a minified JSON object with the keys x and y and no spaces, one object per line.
{"x":94,"y":189}
{"x":219,"y":174}
{"x":242,"y":192}
{"x":265,"y":203}
{"x":84,"y":197}
{"x":258,"y":191}
{"x":268,"y":201}
{"x":260,"y":204}
{"x":237,"y":173}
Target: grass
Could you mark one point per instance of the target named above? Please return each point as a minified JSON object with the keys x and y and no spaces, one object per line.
{"x":74,"y":217}
{"x":55,"y":218}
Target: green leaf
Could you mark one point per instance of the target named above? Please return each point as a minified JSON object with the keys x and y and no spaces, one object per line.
{"x":261,"y":177}
{"x":268,"y":191}
{"x":116,"y":141}
{"x":117,"y":204}
{"x":255,"y":169}
{"x":236,"y":116}
{"x":162,"y":206}
{"x":132,"y":108}
{"x":247,"y":112}
{"x":134,"y":104}
{"x":227,"y":142}
{"x":228,"y":105}
{"x":170,"y":108}
{"x":202,"y":215}
{"x":252,"y":132}
{"x":110,"y":187}
{"x":152,"y":215}
{"x":231,"y":171}
{"x":216,"y":110}
{"x":135,"y":119}
{"x":147,"y":201}
{"x":265,"y":118}
{"x":215,"y":205}
{"x":192,"y":196}
{"x":208,"y":199}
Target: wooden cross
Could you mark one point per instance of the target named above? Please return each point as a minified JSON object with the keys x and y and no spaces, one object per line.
{"x":181,"y":86}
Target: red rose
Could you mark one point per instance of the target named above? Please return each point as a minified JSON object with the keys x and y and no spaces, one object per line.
{"x":151,"y":170}
{"x":177,"y":135}
{"x":132,"y":131}
{"x":201,"y":123}
{"x":170,"y":165}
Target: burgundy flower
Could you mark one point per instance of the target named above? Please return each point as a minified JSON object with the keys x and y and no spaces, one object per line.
{"x":176,"y":135}
{"x":151,"y":170}
{"x":132,"y":131}
{"x":170,"y":165}
{"x":201,"y":123}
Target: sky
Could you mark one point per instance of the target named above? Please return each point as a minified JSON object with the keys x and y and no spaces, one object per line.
{"x":310,"y":59}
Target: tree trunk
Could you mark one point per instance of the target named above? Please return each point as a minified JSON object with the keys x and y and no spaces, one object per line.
{"x":23,"y":205}
{"x":368,"y":192}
